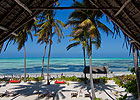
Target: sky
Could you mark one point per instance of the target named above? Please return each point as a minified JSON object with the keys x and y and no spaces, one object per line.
{"x":110,"y":47}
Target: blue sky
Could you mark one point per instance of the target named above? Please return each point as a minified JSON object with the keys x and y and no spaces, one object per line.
{"x":110,"y":47}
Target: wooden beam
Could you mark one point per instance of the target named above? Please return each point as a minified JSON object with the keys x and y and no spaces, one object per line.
{"x":24,"y":22}
{"x":125,"y":31}
{"x":20,"y":13}
{"x":135,"y":6}
{"x":76,"y":8}
{"x":3,"y":28}
{"x":7,"y":14}
{"x":6,"y":29}
{"x":132,"y":20}
{"x":129,"y":17}
{"x":1,"y":45}
{"x":120,"y":20}
{"x":24,"y":6}
{"x":122,"y":7}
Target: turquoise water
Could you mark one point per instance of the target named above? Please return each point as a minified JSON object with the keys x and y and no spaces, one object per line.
{"x":58,"y":65}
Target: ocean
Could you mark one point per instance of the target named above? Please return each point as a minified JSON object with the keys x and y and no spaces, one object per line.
{"x":59,"y":65}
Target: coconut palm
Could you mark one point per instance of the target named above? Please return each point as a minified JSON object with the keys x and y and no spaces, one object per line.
{"x":88,"y":32}
{"x":135,"y":50}
{"x":78,"y":40}
{"x":48,"y":27}
{"x":21,"y":39}
{"x":43,"y":38}
{"x":88,"y":23}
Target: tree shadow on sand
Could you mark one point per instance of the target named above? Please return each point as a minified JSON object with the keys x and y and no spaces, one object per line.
{"x":100,"y":87}
{"x":33,"y":89}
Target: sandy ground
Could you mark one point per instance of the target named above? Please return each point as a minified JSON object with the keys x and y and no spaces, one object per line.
{"x":28,"y":90}
{"x":77,"y":74}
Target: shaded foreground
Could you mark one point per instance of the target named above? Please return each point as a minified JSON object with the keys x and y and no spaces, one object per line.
{"x":29,"y":90}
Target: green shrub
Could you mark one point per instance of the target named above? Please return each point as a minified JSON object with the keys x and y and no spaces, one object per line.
{"x":131,"y":87}
{"x":97,"y":99}
{"x":73,"y":78}
{"x":133,"y":70}
{"x":118,"y":81}
{"x":130,"y":84}
{"x":33,"y":78}
{"x":5,"y":79}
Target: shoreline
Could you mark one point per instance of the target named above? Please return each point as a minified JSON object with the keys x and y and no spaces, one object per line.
{"x":66,"y":74}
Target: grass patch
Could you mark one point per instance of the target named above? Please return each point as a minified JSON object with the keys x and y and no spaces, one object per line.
{"x":32,"y":79}
{"x":73,"y":78}
{"x":4,"y":79}
{"x":129,"y":82}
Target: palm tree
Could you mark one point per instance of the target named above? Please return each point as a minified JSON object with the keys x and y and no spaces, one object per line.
{"x":87,"y":30}
{"x":47,"y":25}
{"x":89,"y":24}
{"x":22,"y":37}
{"x":78,"y":40}
{"x":135,"y":57}
{"x":43,"y":38}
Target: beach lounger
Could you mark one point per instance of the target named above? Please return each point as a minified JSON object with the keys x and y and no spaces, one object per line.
{"x":10,"y":94}
{"x":42,"y":94}
{"x":60,"y":82}
{"x":96,"y":80}
{"x":80,"y":93}
{"x":87,"y":94}
{"x":46,"y":93}
{"x":51,"y":94}
{"x":2,"y":94}
{"x":14,"y":81}
{"x":74,"y":94}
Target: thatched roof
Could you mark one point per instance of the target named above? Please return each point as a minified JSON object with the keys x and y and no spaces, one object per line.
{"x":95,"y":70}
{"x":15,"y":13}
{"x":127,"y":18}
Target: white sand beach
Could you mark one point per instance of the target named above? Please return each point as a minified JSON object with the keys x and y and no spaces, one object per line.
{"x":77,"y":74}
{"x":29,"y":90}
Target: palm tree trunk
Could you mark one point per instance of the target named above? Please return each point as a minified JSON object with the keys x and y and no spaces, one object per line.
{"x":24,"y":64}
{"x":84,"y":61}
{"x":135,"y":57}
{"x":91,"y":77}
{"x":42,"y":75}
{"x":49,"y":59}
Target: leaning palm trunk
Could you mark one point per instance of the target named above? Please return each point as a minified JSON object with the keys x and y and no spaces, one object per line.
{"x":42,"y":75}
{"x":49,"y":59}
{"x":91,"y":78}
{"x":24,"y":64}
{"x":84,"y":61}
{"x":135,"y":57}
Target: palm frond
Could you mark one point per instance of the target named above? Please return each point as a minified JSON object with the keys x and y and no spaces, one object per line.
{"x":104,"y":28}
{"x":77,"y":14}
{"x":72,"y":45}
{"x":85,"y":23}
{"x":60,"y":22}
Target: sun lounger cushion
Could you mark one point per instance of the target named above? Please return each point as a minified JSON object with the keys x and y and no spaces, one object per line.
{"x":87,"y":94}
{"x":9,"y":94}
{"x":14,"y":81}
{"x":60,"y":82}
{"x":74,"y":94}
